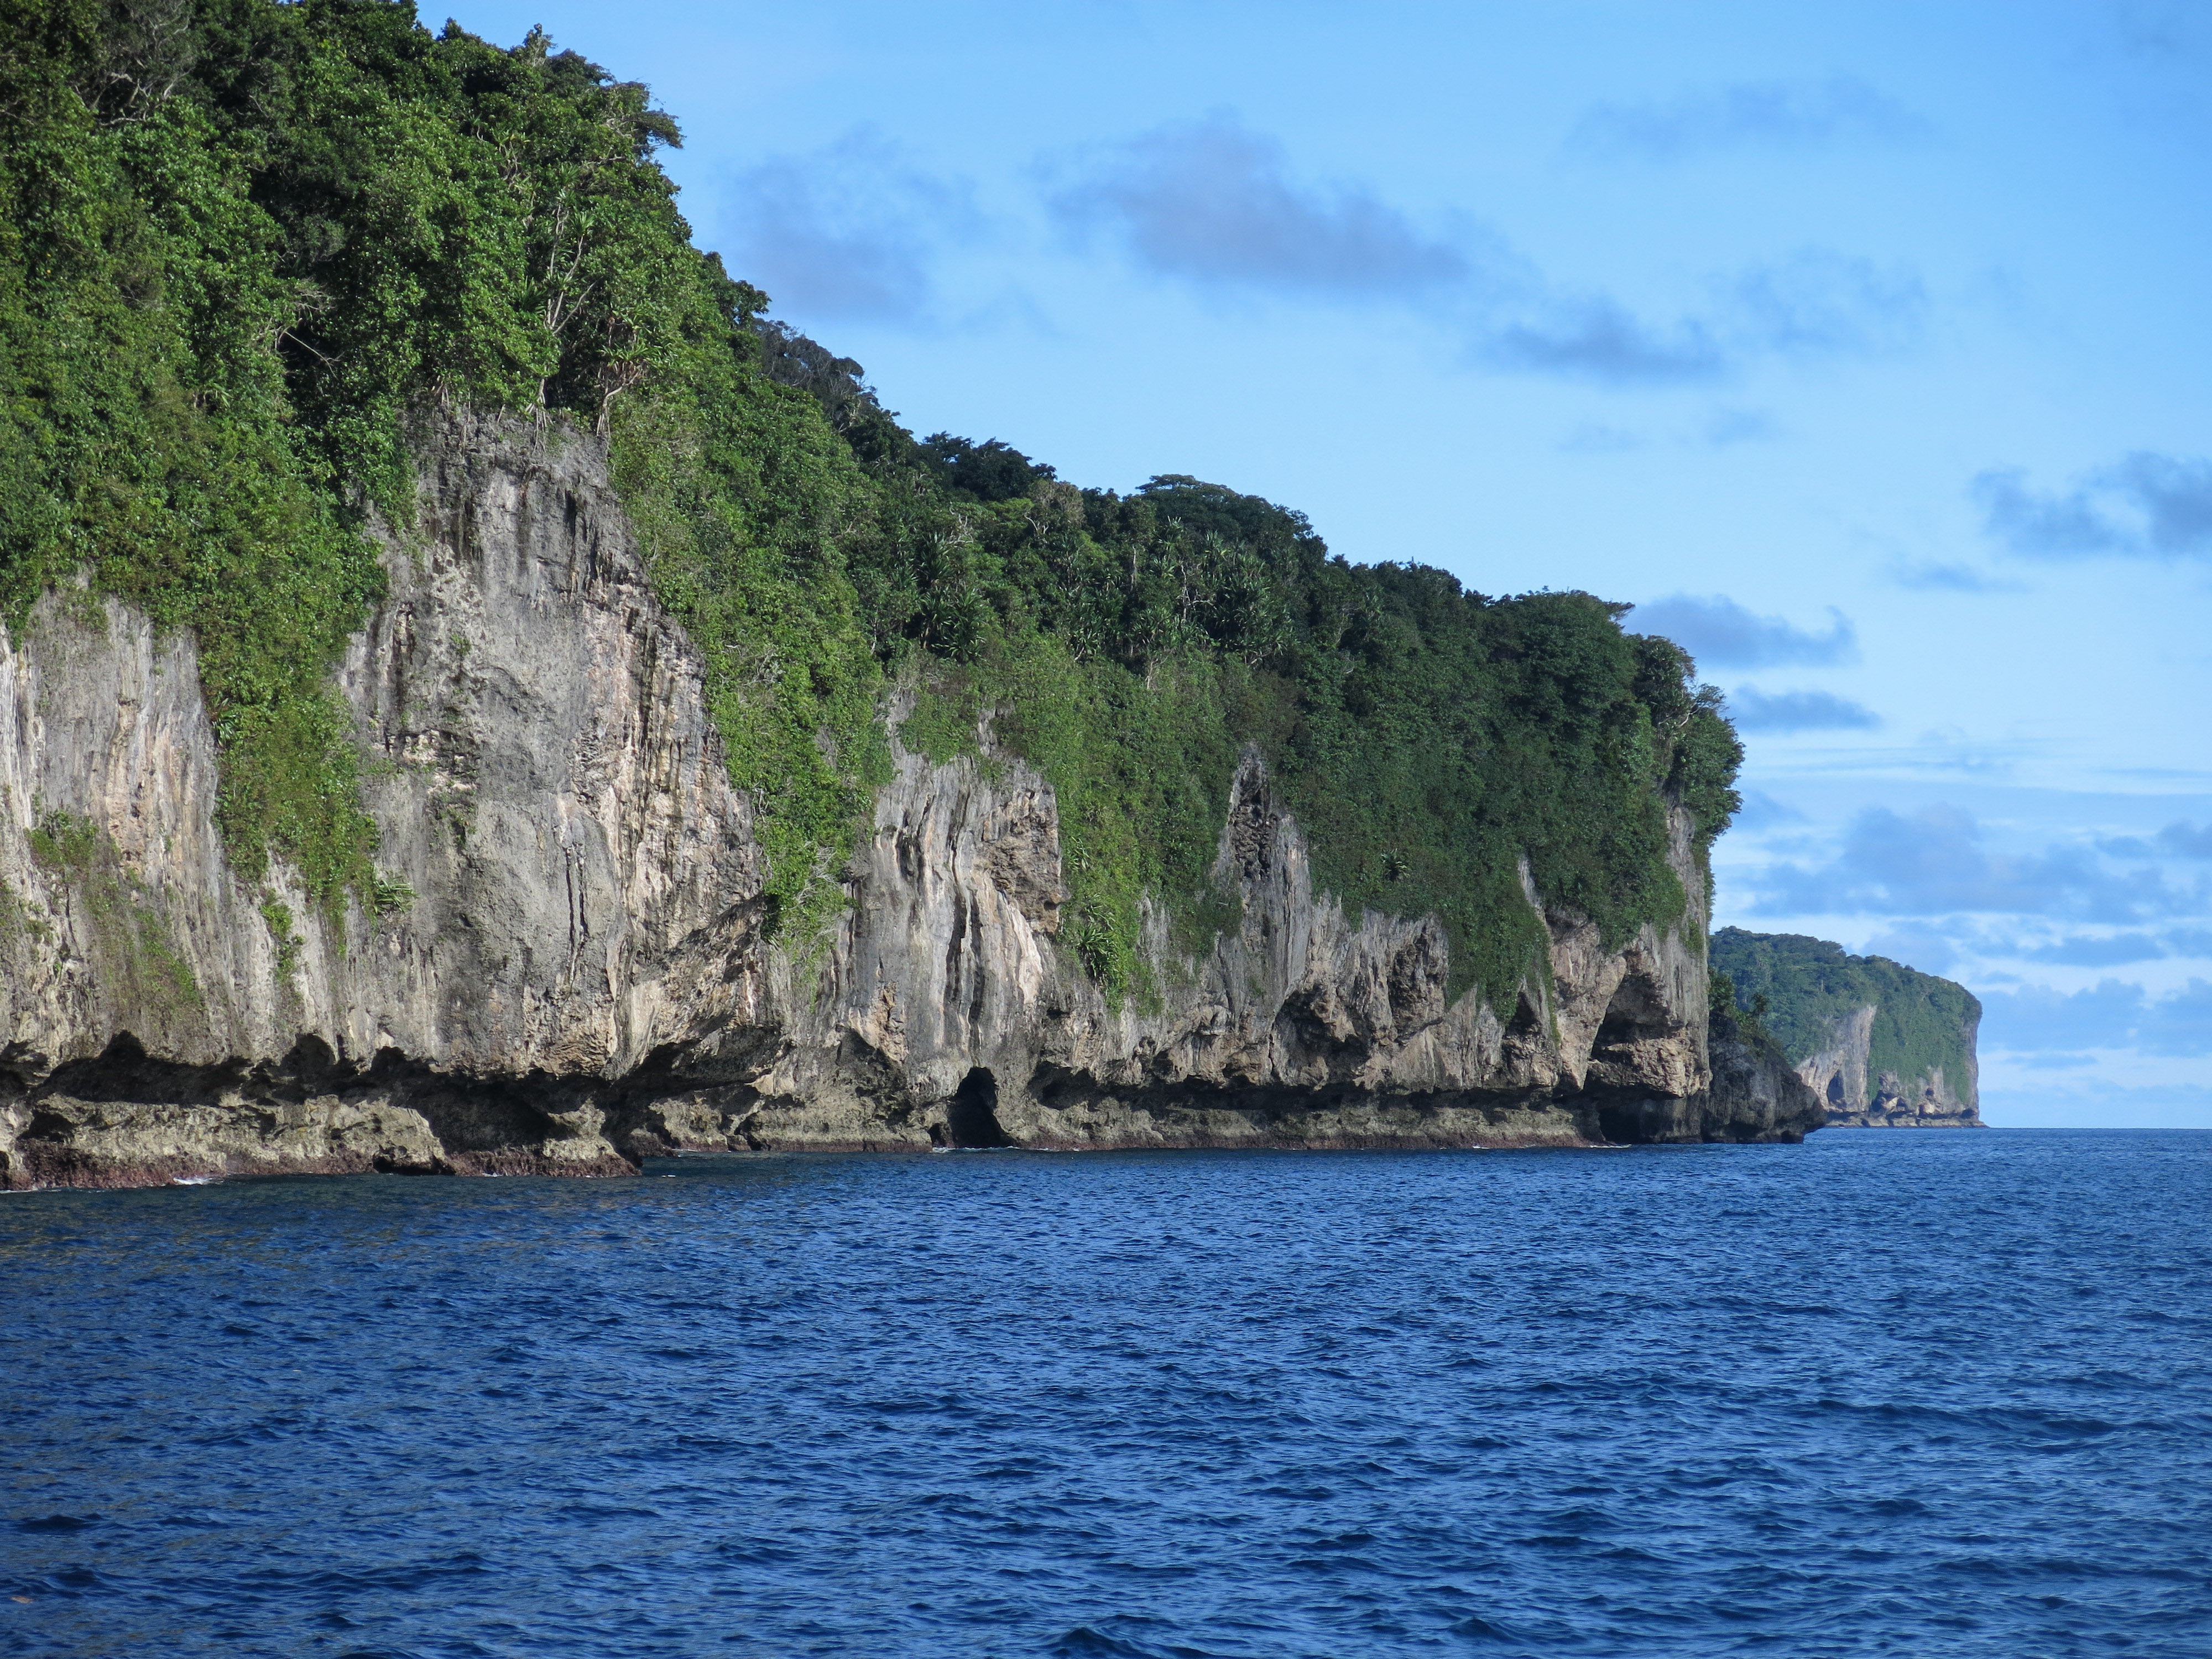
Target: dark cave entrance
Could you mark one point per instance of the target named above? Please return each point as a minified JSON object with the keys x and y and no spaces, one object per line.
{"x":1637,"y":1014}
{"x":971,"y":1116}
{"x":1836,"y":1090}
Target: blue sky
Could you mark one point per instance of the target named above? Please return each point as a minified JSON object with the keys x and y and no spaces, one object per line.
{"x":1863,"y":346}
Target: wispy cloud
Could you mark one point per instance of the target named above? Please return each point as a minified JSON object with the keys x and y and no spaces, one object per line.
{"x":2181,"y":839}
{"x":1796,"y":115}
{"x":1719,"y":632}
{"x":1935,"y":861}
{"x":1218,"y":206}
{"x":1214,"y":203}
{"x":2184,"y":840}
{"x":1818,"y":302}
{"x":1753,"y":710}
{"x":2112,"y":1014}
{"x":2036,"y":1018}
{"x":1936,"y":577}
{"x":1723,"y":429}
{"x":1988,"y":938}
{"x":2099,"y":950}
{"x":1598,"y":339}
{"x":1815,"y":303}
{"x":2039,"y":940}
{"x":2178,"y":1024}
{"x":848,"y":231}
{"x":2145,"y":505}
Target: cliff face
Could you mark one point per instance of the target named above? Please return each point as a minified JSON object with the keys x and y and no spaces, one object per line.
{"x":1856,"y":1096}
{"x":582,"y":979}
{"x":1881,"y":1044}
{"x":1757,"y":1088}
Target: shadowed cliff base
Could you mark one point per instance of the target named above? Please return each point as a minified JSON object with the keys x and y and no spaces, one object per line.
{"x":586,"y":972}
{"x":124,"y":1119}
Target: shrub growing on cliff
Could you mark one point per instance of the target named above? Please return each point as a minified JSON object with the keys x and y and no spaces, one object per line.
{"x":148,"y":440}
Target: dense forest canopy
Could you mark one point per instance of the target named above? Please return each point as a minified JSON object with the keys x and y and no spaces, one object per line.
{"x":245,"y":245}
{"x":1803,"y":985}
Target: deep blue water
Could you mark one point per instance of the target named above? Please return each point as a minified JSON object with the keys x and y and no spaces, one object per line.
{"x":1886,"y":1392}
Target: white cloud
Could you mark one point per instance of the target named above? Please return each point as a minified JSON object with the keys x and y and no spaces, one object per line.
{"x":1721,"y":633}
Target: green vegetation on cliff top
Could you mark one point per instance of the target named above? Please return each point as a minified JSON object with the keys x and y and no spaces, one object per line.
{"x":1921,"y":1023}
{"x":244,"y":243}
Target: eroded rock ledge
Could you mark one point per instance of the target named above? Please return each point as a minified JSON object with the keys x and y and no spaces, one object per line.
{"x":581,"y":981}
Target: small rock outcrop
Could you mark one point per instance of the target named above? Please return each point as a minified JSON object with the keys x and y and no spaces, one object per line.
{"x":1756,"y":1091}
{"x":583,"y":978}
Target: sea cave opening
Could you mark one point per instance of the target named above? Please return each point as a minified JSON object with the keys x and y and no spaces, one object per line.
{"x":971,"y":1116}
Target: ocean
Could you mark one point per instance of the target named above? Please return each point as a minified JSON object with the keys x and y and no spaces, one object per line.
{"x":1889,"y":1392}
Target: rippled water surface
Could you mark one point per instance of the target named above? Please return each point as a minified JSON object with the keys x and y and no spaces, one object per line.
{"x":1886,"y":1393}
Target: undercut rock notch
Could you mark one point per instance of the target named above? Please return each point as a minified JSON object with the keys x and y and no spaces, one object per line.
{"x":585,"y":976}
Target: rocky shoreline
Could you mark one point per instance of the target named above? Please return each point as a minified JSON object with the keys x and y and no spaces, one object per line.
{"x":583,"y":980}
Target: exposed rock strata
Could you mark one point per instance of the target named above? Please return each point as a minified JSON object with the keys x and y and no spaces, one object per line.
{"x":582,"y":980}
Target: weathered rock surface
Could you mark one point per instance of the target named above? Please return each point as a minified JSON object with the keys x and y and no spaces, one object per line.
{"x":1882,"y":1043}
{"x":581,"y":979}
{"x":1838,"y":1073}
{"x":1755,"y":1092}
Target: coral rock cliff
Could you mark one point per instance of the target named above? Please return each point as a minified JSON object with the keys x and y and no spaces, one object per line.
{"x":583,"y":977}
{"x":1856,"y":1096}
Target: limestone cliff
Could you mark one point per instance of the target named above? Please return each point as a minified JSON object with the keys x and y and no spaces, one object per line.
{"x":1882,"y":1045}
{"x":583,"y":977}
{"x":1756,"y":1087}
{"x":1856,"y":1095}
